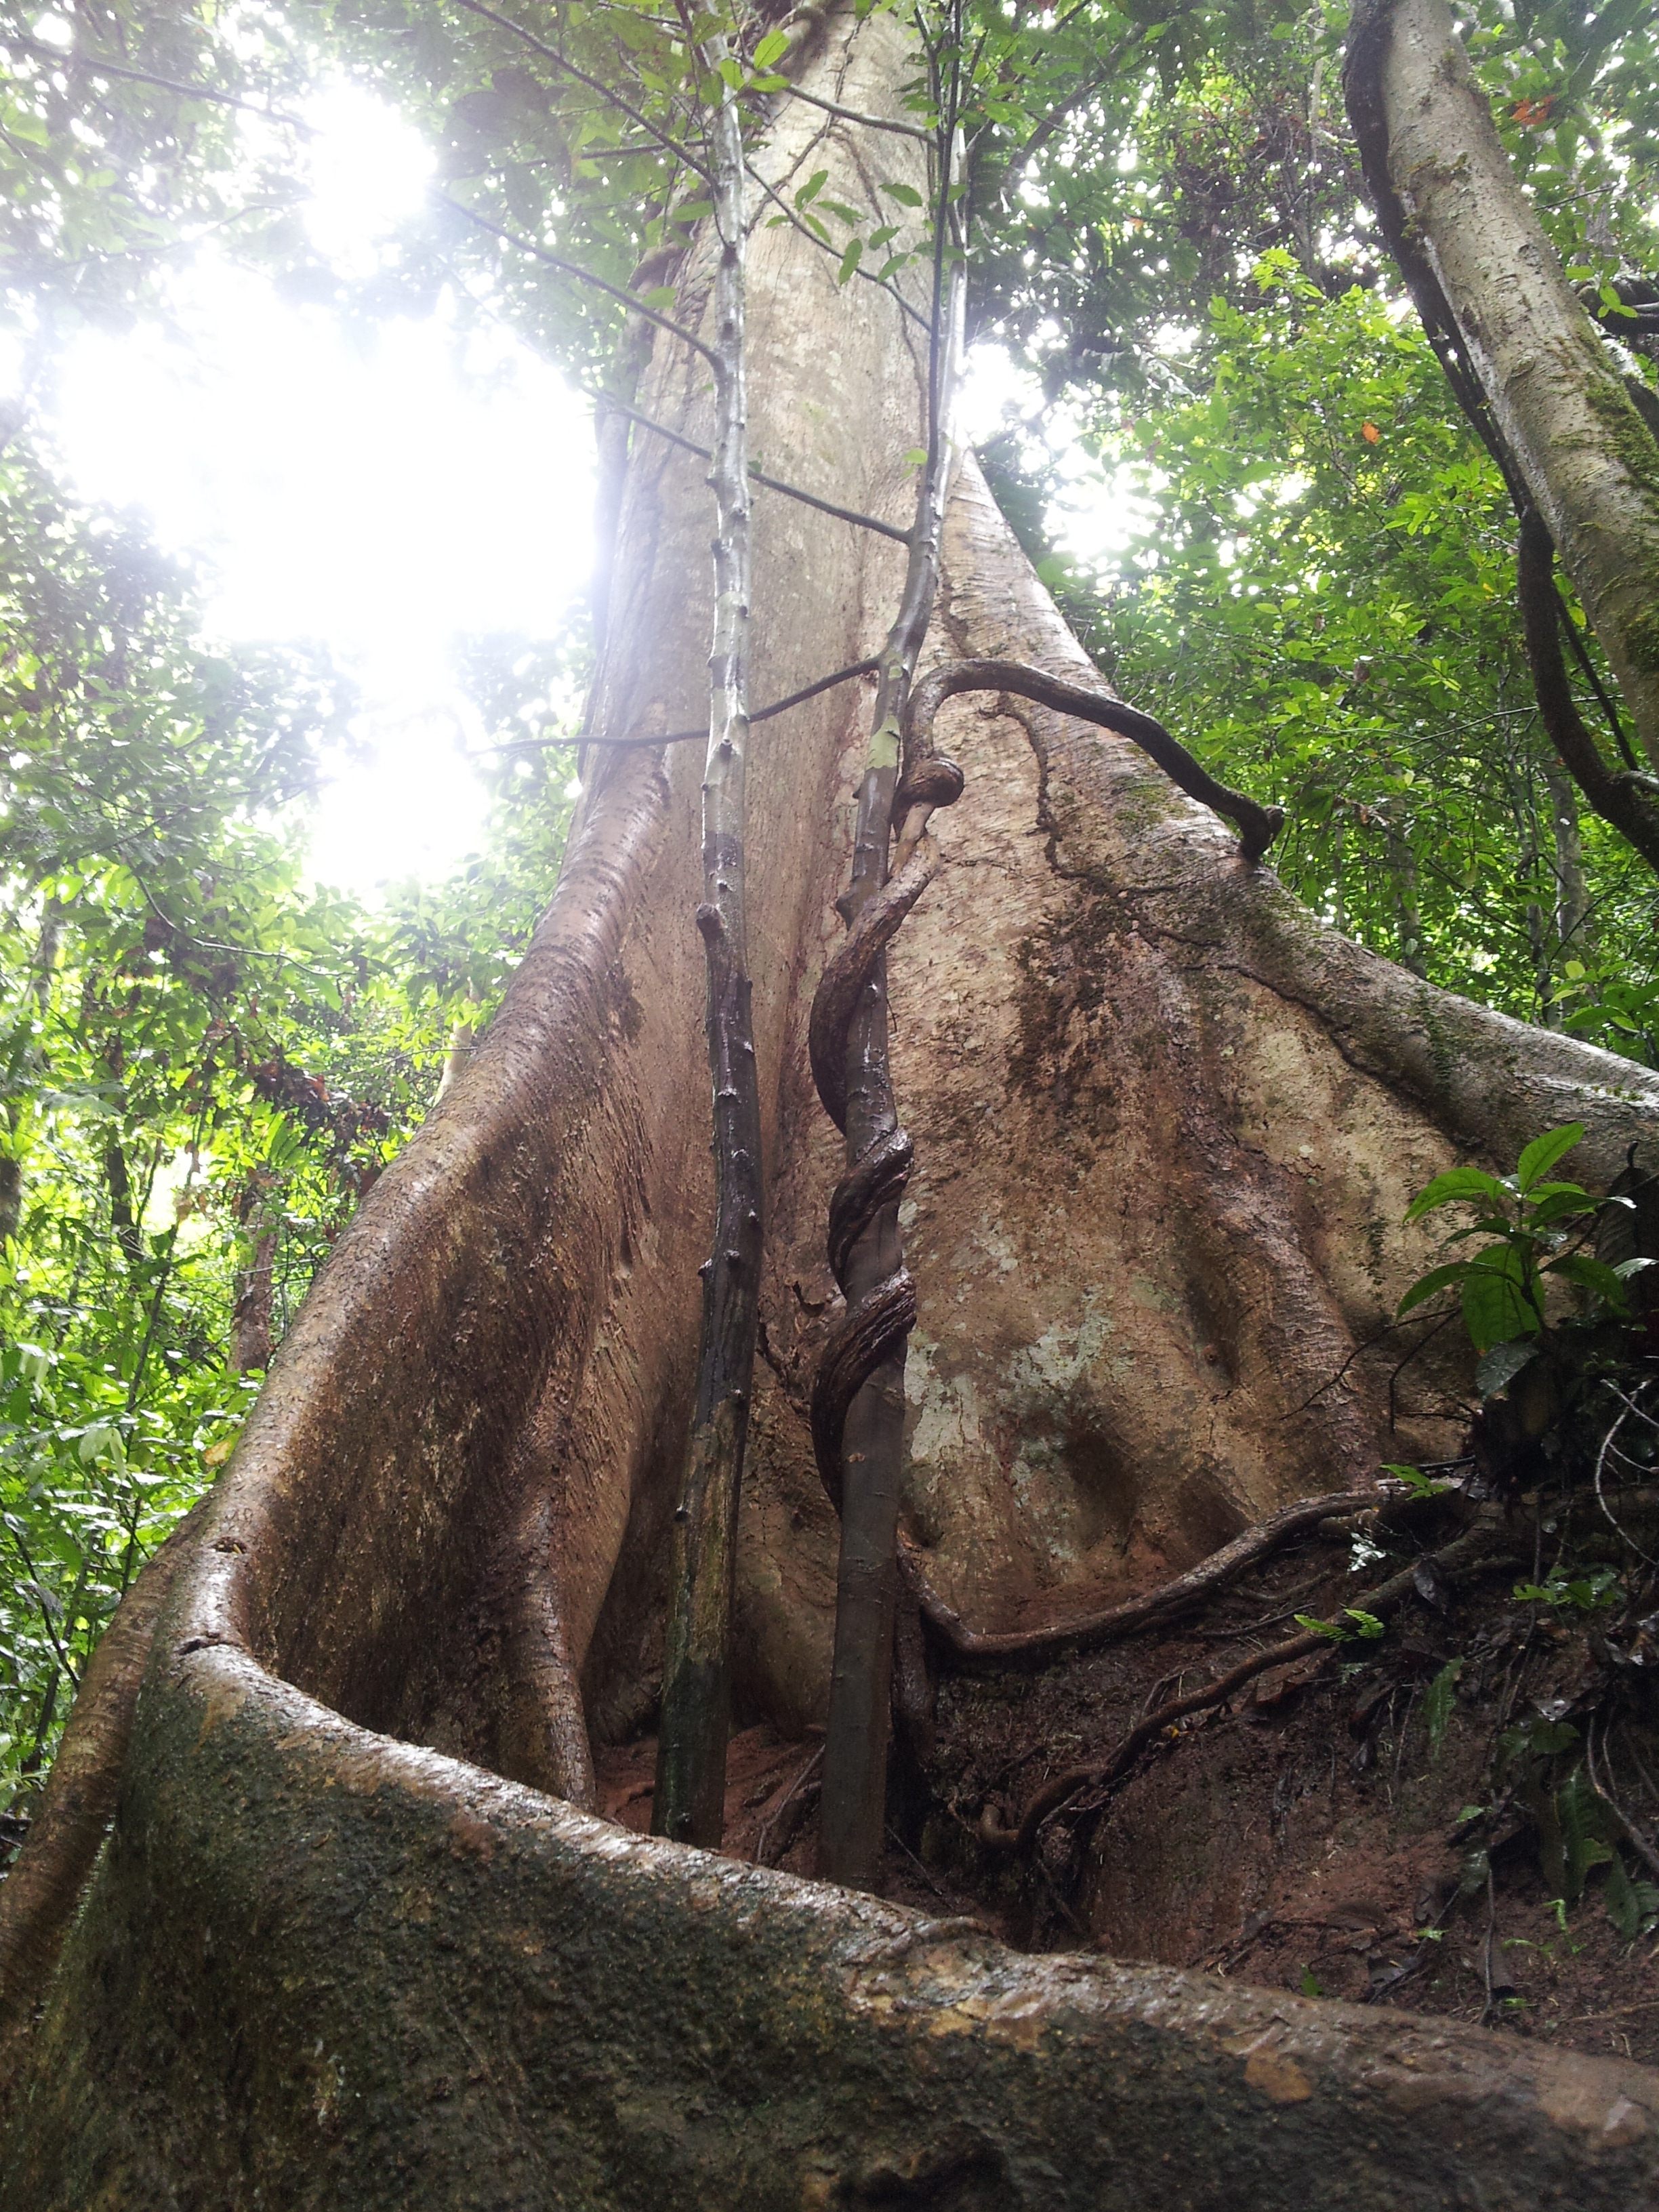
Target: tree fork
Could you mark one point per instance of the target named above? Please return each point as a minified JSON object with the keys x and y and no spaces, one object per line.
{"x":690,"y":1789}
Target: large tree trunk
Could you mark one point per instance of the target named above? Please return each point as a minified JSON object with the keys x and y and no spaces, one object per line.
{"x":339,"y":1948}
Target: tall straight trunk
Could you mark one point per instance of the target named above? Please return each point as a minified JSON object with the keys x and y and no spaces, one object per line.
{"x":340,"y":1945}
{"x":690,"y":1791}
{"x":1572,"y":901}
{"x":1589,"y":463}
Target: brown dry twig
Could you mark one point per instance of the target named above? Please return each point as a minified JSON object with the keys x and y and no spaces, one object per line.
{"x":770,"y":1824}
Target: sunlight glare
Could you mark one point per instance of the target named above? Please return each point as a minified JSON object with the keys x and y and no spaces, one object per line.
{"x":369,"y":169}
{"x":382,"y":495}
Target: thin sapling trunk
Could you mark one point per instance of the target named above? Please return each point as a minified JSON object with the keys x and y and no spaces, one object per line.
{"x":690,"y":1788}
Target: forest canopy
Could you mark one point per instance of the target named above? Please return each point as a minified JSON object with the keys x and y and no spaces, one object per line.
{"x":1308,"y":574}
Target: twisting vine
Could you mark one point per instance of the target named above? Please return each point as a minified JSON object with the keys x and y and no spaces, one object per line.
{"x":858,"y":1392}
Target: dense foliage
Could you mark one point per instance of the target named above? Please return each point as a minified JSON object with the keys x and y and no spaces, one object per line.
{"x":204,"y":1059}
{"x":1317,"y":584}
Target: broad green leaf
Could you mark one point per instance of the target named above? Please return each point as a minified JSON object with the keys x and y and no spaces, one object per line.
{"x":1496,"y":1303}
{"x":1589,"y":1274}
{"x":1498,"y":1367}
{"x":1464,"y":1184}
{"x":1426,"y":1287}
{"x":1541,"y":1155}
{"x":1562,"y":1203}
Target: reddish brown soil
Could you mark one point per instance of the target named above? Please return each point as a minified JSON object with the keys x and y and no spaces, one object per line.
{"x":1304,"y":1838}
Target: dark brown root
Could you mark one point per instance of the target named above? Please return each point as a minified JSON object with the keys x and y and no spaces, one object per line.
{"x":1152,"y":1607}
{"x":1460,"y":1557}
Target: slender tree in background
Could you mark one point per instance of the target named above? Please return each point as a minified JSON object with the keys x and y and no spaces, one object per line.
{"x":690,"y":1792}
{"x":1163,"y":1125}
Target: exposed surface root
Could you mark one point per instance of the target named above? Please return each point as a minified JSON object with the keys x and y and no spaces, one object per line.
{"x":1456,"y":1558}
{"x":1166,"y":1603}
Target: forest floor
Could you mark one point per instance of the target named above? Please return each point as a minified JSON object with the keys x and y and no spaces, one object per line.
{"x":1408,"y":1819}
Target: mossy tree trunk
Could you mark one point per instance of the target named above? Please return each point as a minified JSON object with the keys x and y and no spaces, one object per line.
{"x":342,"y":1945}
{"x":1589,"y":462}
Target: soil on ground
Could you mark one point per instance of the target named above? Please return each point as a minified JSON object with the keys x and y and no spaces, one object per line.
{"x":1402,"y":1818}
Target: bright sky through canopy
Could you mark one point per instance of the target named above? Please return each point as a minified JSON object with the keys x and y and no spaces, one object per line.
{"x":383,"y":494}
{"x":383,"y":497}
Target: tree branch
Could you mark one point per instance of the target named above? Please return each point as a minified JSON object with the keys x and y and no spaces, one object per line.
{"x":573,"y":269}
{"x":852,"y":115}
{"x":1258,"y":825}
{"x":606,"y":91}
{"x":97,"y":65}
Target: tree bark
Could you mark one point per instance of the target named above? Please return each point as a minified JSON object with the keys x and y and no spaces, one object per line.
{"x":1166,"y":1124}
{"x":1589,"y":460}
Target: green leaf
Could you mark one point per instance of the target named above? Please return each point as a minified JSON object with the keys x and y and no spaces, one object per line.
{"x":1496,"y":1303}
{"x":1564,"y":1200}
{"x":1419,"y":1485}
{"x":1592,"y":1275}
{"x":849,"y":260}
{"x":906,"y":195}
{"x":1542,"y":1153}
{"x":1456,"y":1184}
{"x":771,"y":48}
{"x":1332,"y":1629}
{"x":1498,"y":1366}
{"x":1425,"y":1286}
{"x":809,"y":190}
